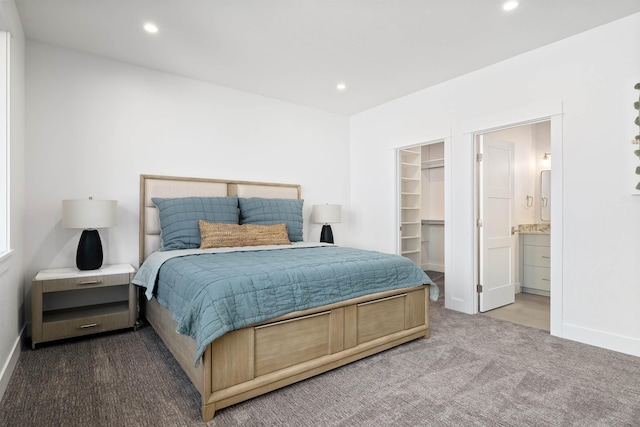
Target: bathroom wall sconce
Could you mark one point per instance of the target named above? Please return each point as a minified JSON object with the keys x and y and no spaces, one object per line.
{"x":546,"y":156}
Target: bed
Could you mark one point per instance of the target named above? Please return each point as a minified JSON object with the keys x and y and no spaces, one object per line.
{"x":272,"y":353}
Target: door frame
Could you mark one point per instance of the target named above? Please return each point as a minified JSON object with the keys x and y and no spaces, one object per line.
{"x":553,"y":113}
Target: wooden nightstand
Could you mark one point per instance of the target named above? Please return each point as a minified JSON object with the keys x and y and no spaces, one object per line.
{"x":67,"y":302}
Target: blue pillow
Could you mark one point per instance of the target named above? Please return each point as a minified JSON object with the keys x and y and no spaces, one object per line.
{"x":179,"y":218}
{"x":257,"y":210}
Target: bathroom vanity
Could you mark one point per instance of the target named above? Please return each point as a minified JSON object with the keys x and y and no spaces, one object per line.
{"x":535,"y":276}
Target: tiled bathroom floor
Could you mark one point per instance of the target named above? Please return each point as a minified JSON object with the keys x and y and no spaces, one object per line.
{"x":529,"y":310}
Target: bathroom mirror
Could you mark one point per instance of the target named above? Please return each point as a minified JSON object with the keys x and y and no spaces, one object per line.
{"x":545,"y":195}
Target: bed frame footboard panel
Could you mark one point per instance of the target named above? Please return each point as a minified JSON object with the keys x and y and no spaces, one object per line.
{"x":264,"y":357}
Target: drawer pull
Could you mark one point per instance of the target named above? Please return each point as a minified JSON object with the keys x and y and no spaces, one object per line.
{"x":546,"y":280}
{"x":544,"y":256}
{"x":90,"y":282}
{"x":88,"y":325}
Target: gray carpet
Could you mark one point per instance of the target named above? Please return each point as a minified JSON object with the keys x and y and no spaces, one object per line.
{"x":474,"y":370}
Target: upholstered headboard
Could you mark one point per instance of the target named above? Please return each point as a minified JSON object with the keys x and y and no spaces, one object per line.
{"x":171,"y":186}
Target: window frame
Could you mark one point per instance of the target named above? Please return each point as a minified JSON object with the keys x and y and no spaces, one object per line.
{"x":5,"y":132}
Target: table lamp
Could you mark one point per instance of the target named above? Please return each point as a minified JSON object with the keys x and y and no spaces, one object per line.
{"x":325,"y":214}
{"x":89,"y":215}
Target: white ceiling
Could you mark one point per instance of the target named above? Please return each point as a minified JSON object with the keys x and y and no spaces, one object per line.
{"x":298,"y":50}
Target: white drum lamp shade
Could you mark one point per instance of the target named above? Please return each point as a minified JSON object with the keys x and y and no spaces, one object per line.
{"x":326,"y":214}
{"x":89,"y":215}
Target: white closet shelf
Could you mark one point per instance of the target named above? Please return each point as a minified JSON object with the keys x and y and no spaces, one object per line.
{"x":432,"y":221}
{"x":433,"y":163}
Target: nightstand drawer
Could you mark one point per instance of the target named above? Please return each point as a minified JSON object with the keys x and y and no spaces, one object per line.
{"x":74,"y":283}
{"x":85,"y":320}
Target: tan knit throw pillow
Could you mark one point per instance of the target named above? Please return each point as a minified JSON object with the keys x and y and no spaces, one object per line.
{"x":218,"y":235}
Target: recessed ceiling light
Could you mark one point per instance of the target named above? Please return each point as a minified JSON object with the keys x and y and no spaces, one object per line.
{"x":510,"y":5}
{"x":341,"y":86}
{"x":150,"y":28}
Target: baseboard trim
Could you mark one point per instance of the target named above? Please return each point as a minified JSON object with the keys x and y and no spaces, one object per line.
{"x":535,"y":291}
{"x":607,"y":340}
{"x":10,"y":364}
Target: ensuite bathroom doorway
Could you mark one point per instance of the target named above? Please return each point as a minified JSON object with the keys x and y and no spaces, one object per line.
{"x":513,"y":221}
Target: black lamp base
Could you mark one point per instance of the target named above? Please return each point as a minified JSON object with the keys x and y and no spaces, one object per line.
{"x":89,"y":255}
{"x":326,"y":235}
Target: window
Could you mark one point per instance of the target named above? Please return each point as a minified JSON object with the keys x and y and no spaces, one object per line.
{"x":4,"y":141}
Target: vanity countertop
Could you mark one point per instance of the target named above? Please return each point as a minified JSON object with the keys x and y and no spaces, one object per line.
{"x":534,"y":228}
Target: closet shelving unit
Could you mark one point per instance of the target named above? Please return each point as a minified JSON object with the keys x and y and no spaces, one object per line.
{"x":432,"y":257}
{"x":410,"y":206}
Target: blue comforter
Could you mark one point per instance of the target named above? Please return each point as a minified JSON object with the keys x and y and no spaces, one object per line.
{"x":211,"y":294}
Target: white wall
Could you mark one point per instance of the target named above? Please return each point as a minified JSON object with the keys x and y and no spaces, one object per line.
{"x":592,"y":74}
{"x":11,"y":268}
{"x":94,"y":125}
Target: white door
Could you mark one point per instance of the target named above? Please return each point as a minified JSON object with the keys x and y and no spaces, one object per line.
{"x":496,"y":241}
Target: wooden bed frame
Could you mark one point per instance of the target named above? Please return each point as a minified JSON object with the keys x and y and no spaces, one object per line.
{"x":263,"y":357}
